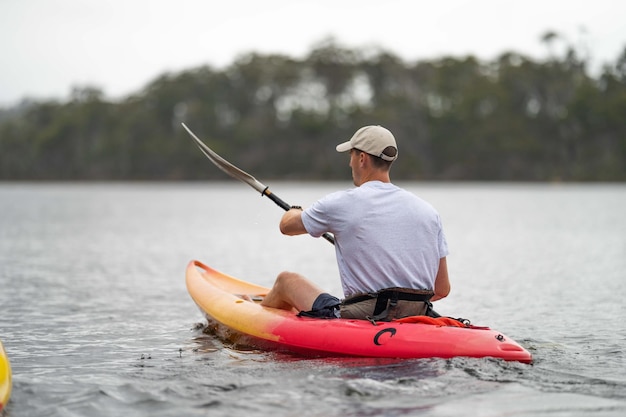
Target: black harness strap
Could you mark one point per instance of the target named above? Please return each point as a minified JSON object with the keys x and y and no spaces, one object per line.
{"x":385,"y":294}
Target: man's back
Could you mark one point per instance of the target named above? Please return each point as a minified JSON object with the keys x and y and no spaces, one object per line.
{"x":385,"y":237}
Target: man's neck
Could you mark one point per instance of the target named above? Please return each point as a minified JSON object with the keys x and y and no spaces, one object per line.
{"x":382,"y":176}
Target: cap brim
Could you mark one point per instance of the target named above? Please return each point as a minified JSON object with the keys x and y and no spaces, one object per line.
{"x":343,"y":147}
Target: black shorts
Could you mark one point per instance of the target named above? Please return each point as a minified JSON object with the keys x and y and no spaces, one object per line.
{"x":325,"y":306}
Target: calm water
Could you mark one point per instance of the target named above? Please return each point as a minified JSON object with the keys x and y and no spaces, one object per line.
{"x":97,"y":321}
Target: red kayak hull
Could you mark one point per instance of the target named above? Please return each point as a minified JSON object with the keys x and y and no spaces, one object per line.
{"x":219,"y":297}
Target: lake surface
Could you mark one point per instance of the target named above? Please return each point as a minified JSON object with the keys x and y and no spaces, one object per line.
{"x":96,"y":319}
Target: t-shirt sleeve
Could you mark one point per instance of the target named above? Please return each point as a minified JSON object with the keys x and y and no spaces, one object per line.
{"x":314,"y":220}
{"x":318,"y":218}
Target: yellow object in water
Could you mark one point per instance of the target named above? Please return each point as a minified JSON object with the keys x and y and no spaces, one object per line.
{"x":5,"y":378}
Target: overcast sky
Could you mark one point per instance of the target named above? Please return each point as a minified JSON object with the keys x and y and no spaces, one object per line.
{"x":48,"y":46}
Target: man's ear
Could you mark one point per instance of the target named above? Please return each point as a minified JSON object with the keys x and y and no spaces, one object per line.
{"x":362,"y":158}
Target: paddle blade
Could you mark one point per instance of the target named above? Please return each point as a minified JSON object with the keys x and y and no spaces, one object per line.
{"x":226,"y":166}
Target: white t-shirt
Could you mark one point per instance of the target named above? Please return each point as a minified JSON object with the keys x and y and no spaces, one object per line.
{"x":384,"y":237}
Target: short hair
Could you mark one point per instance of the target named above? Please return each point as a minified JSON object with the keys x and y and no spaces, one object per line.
{"x":378,"y":162}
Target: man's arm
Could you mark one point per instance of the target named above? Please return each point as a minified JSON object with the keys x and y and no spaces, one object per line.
{"x":442,"y":282}
{"x":291,"y":223}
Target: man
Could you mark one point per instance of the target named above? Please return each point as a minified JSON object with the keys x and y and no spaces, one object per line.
{"x":390,"y":246}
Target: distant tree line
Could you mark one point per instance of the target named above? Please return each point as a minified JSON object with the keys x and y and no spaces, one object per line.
{"x":278,"y":117}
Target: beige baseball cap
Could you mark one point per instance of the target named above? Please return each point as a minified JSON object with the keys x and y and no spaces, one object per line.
{"x":374,"y":140}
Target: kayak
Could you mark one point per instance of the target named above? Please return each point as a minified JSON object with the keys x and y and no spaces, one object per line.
{"x":221,"y":298}
{"x":5,"y":378}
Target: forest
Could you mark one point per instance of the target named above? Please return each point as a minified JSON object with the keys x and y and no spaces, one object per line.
{"x":513,"y":118}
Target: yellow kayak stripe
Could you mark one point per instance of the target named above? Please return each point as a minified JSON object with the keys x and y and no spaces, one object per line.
{"x":214,"y":292}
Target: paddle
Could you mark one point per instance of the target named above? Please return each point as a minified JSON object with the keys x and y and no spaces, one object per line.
{"x":237,"y":173}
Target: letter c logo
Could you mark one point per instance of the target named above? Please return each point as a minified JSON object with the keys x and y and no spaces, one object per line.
{"x":391,"y":332}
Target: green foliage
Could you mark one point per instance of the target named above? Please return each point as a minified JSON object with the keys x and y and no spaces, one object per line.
{"x":275,"y":116}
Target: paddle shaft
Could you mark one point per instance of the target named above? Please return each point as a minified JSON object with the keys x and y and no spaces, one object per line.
{"x":280,"y":203}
